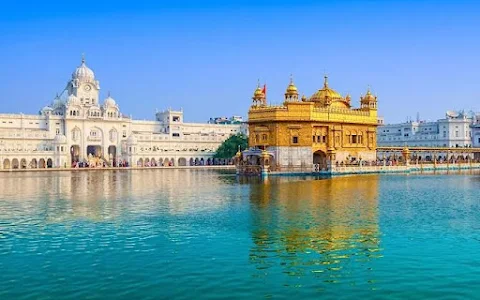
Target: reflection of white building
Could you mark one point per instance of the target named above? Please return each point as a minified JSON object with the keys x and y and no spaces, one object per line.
{"x":452,"y":131}
{"x":77,"y":127}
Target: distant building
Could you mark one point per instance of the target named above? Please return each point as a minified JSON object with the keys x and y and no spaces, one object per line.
{"x":225,"y":120}
{"x":452,"y":131}
{"x":78,"y":128}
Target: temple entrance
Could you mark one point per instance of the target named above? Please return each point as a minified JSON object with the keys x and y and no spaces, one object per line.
{"x":42,"y":164}
{"x":95,"y":151}
{"x":49,"y":163}
{"x":23,"y":163}
{"x":6,"y":163}
{"x":112,"y":155}
{"x":75,"y":153}
{"x":320,"y":158}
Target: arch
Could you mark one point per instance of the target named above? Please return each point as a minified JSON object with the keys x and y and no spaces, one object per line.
{"x":197,"y":161}
{"x":172,"y":162}
{"x":209,"y":162}
{"x":160,"y":161}
{"x":202,"y":161}
{"x":140,"y":162}
{"x":191,"y":162}
{"x":34,"y":163}
{"x":23,"y":163}
{"x":6,"y":163}
{"x":320,"y":158}
{"x":146,"y":162}
{"x":182,"y":161}
{"x":153,"y":162}
{"x":42,"y":164}
{"x":75,"y":153}
{"x":15,"y":163}
{"x":49,"y":163}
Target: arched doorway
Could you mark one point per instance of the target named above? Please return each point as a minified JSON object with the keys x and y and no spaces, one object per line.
{"x":112,"y":155}
{"x":140,"y":162}
{"x":49,"y":163}
{"x":147,"y":162}
{"x":160,"y":162}
{"x":15,"y":163}
{"x":95,"y":151}
{"x":172,"y":162}
{"x":6,"y":163}
{"x":42,"y":164}
{"x":154,"y":162}
{"x":182,"y":161}
{"x":75,"y":153}
{"x":23,"y":163}
{"x":320,"y":158}
{"x":33,"y":163}
{"x":192,"y":162}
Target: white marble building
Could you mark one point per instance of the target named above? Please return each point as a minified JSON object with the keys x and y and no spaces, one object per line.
{"x":452,"y":131}
{"x":78,"y":127}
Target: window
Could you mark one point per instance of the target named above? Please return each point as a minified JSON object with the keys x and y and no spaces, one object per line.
{"x":456,"y":133}
{"x":57,"y":131}
{"x":444,"y":134}
{"x":324,"y":139}
{"x":313,"y":138}
{"x":176,"y":119}
{"x":264,"y":137}
{"x":176,"y":134}
{"x":124,"y":133}
{"x":354,"y":139}
{"x":295,"y":140}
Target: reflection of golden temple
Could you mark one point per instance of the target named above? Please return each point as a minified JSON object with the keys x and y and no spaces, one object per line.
{"x":336,"y":218}
{"x":322,"y":130}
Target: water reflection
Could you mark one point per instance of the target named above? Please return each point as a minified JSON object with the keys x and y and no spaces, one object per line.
{"x":105,"y":195}
{"x":325,"y":228}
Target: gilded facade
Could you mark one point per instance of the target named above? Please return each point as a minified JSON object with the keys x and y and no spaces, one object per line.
{"x":321,"y":129}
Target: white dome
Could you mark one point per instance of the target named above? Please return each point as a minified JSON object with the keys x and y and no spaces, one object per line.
{"x":109,"y":102}
{"x":72,"y":100}
{"x":60,"y":139}
{"x":47,"y":108}
{"x":83,"y":72}
{"x":57,"y":102}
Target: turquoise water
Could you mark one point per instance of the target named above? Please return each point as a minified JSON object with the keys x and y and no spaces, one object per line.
{"x":194,"y":234}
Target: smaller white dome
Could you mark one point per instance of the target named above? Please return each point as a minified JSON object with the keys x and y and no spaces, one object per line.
{"x":72,"y":100}
{"x":109,"y":102}
{"x":60,"y":139}
{"x":47,"y":108}
{"x":57,"y":102}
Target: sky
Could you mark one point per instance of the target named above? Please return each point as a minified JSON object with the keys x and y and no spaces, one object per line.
{"x":206,"y":56}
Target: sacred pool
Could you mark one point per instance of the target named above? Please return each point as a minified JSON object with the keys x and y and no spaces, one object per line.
{"x":198,"y":234}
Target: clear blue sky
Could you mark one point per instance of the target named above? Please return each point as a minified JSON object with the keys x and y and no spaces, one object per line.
{"x":206,"y":56}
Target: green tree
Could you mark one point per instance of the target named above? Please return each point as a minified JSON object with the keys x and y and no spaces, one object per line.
{"x":229,"y":147}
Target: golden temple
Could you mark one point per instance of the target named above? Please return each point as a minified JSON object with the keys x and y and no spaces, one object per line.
{"x":316,"y":131}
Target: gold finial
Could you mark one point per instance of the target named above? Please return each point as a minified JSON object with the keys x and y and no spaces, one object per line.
{"x":83,"y":58}
{"x":368,"y":90}
{"x":325,"y":82}
{"x":258,"y":83}
{"x":291,"y":78}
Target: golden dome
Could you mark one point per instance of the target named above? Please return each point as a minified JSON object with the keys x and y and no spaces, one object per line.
{"x":258,"y":94}
{"x":368,"y":96}
{"x":304,"y":98}
{"x":291,"y":89}
{"x":324,"y":93}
